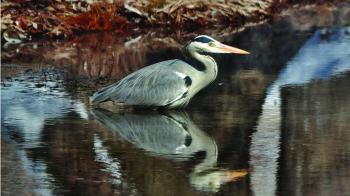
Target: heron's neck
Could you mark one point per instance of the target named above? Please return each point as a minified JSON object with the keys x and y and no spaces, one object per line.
{"x":205,"y":64}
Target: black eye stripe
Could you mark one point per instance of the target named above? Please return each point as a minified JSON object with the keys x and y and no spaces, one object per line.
{"x":203,"y":39}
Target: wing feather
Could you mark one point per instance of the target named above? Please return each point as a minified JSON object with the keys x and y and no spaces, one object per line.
{"x":155,"y":85}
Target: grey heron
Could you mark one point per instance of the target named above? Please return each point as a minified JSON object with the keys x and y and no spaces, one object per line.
{"x":171,"y":83}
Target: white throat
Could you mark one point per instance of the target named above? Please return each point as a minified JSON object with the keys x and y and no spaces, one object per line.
{"x":209,"y":63}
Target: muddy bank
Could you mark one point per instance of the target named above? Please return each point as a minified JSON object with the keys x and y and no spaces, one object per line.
{"x":28,"y":19}
{"x":25,"y":20}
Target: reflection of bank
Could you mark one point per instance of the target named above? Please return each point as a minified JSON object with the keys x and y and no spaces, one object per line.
{"x":173,"y":136}
{"x":325,"y":54}
{"x":27,"y":104}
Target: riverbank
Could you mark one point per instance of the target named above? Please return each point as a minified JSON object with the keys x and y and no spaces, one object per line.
{"x":25,"y":20}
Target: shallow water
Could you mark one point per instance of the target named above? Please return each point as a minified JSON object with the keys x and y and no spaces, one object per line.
{"x":274,"y":122}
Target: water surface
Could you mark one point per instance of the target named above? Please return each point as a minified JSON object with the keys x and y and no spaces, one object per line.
{"x":274,"y":122}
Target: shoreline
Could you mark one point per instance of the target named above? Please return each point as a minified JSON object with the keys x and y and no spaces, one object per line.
{"x":64,"y":21}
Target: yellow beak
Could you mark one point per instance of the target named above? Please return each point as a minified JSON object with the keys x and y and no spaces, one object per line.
{"x":229,"y":49}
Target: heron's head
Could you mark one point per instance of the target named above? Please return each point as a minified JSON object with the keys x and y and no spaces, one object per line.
{"x":206,"y":44}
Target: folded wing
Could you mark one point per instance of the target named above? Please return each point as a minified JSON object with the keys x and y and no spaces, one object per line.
{"x":156,"y":85}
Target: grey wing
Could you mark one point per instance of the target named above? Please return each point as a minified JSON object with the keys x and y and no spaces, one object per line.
{"x":155,"y":85}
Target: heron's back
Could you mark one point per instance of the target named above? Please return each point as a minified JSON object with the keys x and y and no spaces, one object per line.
{"x":160,"y":84}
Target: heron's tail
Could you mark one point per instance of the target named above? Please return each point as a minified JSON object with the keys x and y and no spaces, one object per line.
{"x":102,"y":95}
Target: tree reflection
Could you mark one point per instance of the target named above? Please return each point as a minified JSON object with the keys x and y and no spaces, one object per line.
{"x":324,"y":55}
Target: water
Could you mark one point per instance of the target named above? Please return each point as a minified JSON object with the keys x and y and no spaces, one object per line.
{"x":274,"y":122}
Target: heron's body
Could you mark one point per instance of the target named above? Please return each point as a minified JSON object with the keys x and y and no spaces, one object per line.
{"x":164,"y":84}
{"x":169,"y":84}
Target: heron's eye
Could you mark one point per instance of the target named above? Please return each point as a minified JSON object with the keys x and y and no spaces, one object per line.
{"x":211,"y":44}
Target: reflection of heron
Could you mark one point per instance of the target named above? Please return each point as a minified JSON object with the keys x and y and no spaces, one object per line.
{"x":173,"y":136}
{"x":169,"y":83}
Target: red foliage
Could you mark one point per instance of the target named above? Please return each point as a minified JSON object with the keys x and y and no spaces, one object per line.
{"x":100,"y":17}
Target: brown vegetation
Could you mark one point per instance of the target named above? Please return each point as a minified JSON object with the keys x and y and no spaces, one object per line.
{"x":198,"y":12}
{"x":24,"y":19}
{"x":101,"y":16}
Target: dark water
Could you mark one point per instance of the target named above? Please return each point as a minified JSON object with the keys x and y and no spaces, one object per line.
{"x":276,"y":122}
